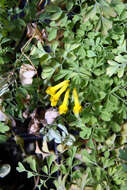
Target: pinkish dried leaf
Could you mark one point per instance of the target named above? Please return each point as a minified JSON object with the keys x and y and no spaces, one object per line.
{"x":51,"y":115}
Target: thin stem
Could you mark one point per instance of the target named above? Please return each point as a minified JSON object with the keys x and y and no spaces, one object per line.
{"x":36,"y":180}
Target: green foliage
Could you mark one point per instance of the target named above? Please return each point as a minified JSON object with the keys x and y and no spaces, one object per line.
{"x":123,"y":154}
{"x":86,"y":44}
{"x":3,"y":129}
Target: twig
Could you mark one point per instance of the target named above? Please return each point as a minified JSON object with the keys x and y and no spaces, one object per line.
{"x":36,"y":181}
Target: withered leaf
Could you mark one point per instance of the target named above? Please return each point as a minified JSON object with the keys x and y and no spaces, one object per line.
{"x":26,"y":74}
{"x":34,"y":32}
{"x":34,"y":127}
{"x":50,"y":115}
{"x":38,"y":151}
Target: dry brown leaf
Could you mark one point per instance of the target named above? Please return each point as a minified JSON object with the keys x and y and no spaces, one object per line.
{"x":33,"y":114}
{"x":3,"y":117}
{"x":88,"y":150}
{"x":33,"y":127}
{"x":74,"y":187}
{"x":34,"y":32}
{"x":26,"y":74}
{"x":89,"y":188}
{"x":26,"y":113}
{"x":50,"y":115}
{"x":78,"y":156}
{"x":38,"y":151}
{"x":30,"y":30}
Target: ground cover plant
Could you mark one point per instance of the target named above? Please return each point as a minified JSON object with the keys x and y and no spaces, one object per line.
{"x":63,"y":94}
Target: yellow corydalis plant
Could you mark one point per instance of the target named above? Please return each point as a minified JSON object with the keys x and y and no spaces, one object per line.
{"x":51,"y":90}
{"x":55,"y":94}
{"x":54,"y":99}
{"x":77,"y":107}
{"x":57,"y":90}
{"x":63,"y":108}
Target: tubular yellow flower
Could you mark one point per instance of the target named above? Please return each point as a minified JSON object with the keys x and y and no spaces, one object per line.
{"x":77,"y":107}
{"x":51,"y":90}
{"x":63,"y":108}
{"x":54,"y":98}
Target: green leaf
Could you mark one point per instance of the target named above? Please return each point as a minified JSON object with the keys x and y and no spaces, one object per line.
{"x":106,"y":25}
{"x":120,"y":72}
{"x":30,"y":174}
{"x":69,"y":161}
{"x":47,"y":72}
{"x":72,"y":151}
{"x":56,"y":15}
{"x":87,"y":158}
{"x":105,"y":116}
{"x":3,"y":128}
{"x":107,"y":162}
{"x":61,"y":74}
{"x":124,"y":167}
{"x":3,"y":138}
{"x":123,"y":16}
{"x":91,"y":53}
{"x":115,"y":127}
{"x":38,"y":52}
{"x":119,"y":8}
{"x":112,"y":70}
{"x":99,"y":187}
{"x":117,"y":68}
{"x":109,"y":11}
{"x":63,"y":169}
{"x":123,"y":154}
{"x":20,"y":167}
{"x":98,"y":25}
{"x":123,"y":187}
{"x":90,"y":144}
{"x":54,"y":45}
{"x":69,"y":5}
{"x":31,"y":160}
{"x":52,"y":34}
{"x":50,"y":160}
{"x":70,"y":139}
{"x":102,"y":95}
{"x":112,"y":63}
{"x":45,"y":169}
{"x":4,"y":170}
{"x":98,"y":173}
{"x":54,"y":169}
{"x":110,"y":141}
{"x":85,"y":133}
{"x":1,"y":60}
{"x":90,"y":14}
{"x":70,"y":47}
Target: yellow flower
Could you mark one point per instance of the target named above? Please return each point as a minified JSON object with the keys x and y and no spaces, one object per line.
{"x":63,"y":108}
{"x":51,"y":90}
{"x":54,"y":98}
{"x":77,"y":107}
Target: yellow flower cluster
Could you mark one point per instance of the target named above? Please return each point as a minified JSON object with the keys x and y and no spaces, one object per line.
{"x":57,"y":91}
